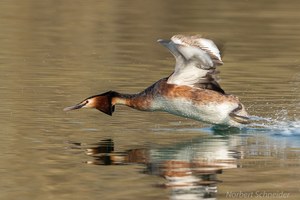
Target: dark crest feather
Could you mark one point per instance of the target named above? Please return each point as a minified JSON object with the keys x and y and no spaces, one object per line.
{"x":104,"y":102}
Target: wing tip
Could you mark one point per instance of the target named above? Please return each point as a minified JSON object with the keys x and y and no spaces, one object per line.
{"x":163,"y":41}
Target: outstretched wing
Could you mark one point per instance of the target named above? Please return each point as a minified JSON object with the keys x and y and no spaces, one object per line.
{"x":196,"y":61}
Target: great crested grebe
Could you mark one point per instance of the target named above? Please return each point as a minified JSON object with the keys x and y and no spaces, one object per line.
{"x":191,"y":91}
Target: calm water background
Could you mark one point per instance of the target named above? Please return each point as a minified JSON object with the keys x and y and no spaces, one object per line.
{"x":55,"y":53}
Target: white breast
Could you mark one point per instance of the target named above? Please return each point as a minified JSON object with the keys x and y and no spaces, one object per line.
{"x":214,"y":112}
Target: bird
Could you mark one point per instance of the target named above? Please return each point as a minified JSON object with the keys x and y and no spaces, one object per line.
{"x":191,"y":91}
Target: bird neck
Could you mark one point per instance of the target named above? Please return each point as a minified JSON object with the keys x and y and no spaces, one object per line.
{"x":139,"y":101}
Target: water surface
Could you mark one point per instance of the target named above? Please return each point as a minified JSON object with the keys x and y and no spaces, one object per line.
{"x":55,"y":53}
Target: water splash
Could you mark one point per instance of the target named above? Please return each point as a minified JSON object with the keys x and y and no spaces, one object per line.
{"x":279,"y":125}
{"x":284,"y":127}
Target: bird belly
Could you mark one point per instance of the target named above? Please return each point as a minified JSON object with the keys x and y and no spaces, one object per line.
{"x":212,"y":112}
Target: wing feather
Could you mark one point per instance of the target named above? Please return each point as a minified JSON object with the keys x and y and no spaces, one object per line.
{"x":196,"y":61}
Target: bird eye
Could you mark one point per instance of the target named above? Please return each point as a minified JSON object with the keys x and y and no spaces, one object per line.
{"x":86,"y":102}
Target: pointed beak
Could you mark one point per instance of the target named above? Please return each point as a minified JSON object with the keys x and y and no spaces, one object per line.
{"x":77,"y":106}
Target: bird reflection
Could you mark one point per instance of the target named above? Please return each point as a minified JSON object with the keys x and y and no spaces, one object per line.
{"x":103,"y":154}
{"x":189,"y":168}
